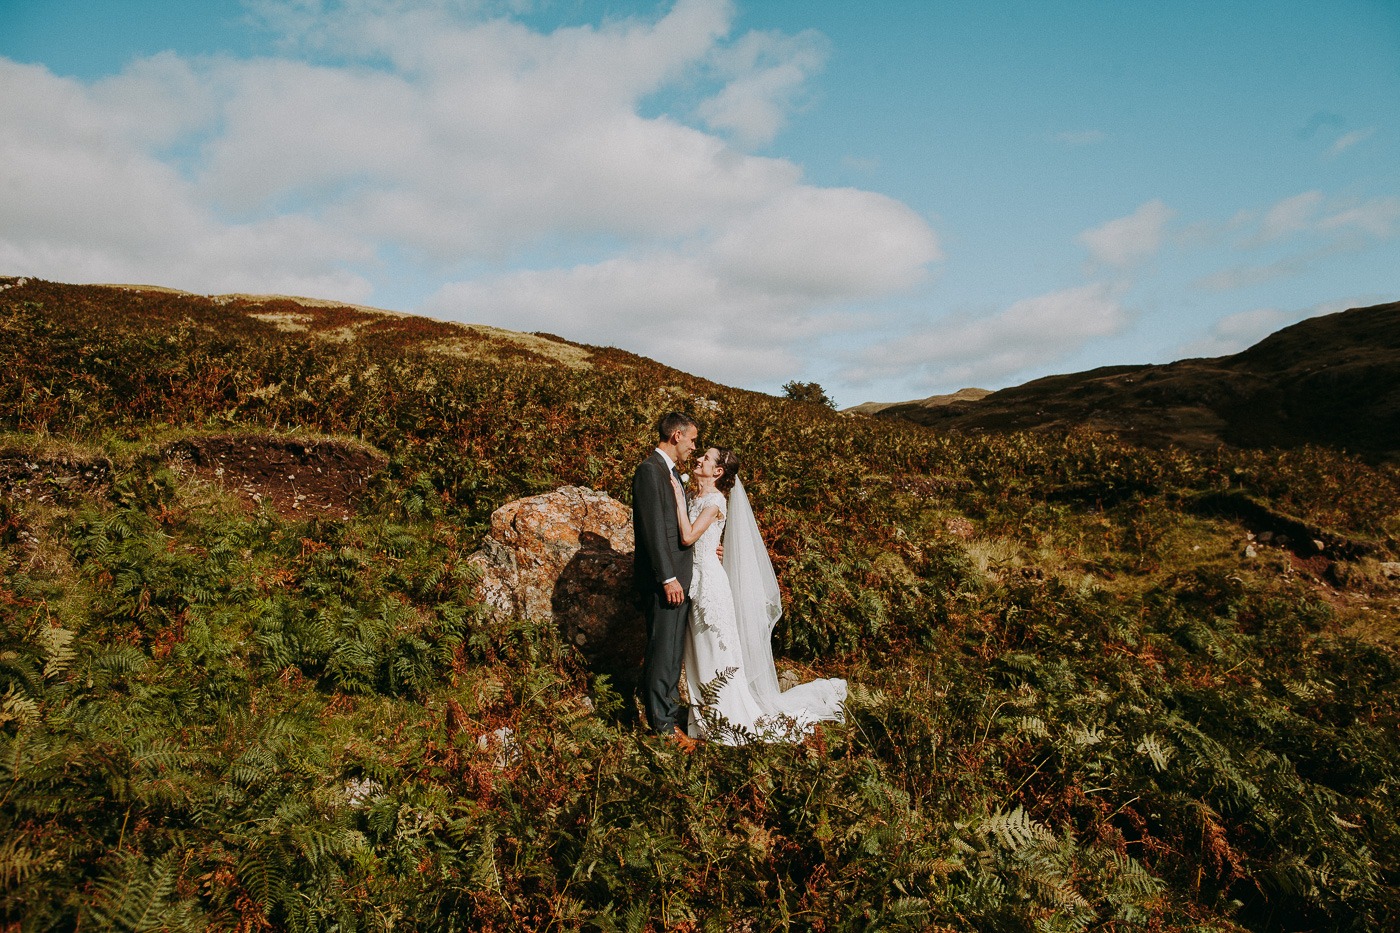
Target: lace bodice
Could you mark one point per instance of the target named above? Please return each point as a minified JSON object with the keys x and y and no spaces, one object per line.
{"x":712,"y":536}
{"x":712,"y":609}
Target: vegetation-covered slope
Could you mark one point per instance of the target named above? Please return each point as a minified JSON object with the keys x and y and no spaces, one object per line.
{"x":1077,"y":703}
{"x":1332,"y":380}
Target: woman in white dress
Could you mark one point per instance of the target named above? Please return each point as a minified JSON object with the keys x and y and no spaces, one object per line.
{"x":734,"y":605}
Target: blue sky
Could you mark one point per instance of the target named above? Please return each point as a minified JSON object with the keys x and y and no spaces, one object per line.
{"x":892,"y":199}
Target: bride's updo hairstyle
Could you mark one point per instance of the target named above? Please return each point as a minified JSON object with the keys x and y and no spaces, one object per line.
{"x":728,"y":461}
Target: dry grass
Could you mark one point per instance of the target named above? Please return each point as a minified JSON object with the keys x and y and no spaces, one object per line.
{"x":469,"y":346}
{"x":287,"y":323}
{"x":481,"y":341}
{"x":1376,"y":621}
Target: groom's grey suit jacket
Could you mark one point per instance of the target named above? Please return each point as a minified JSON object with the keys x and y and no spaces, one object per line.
{"x":659,"y":552}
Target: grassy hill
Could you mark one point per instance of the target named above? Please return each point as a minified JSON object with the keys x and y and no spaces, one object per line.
{"x":1332,"y":380}
{"x":244,"y":683}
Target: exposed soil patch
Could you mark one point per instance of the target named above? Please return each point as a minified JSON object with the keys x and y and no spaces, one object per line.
{"x":298,"y":478}
{"x":51,"y":479}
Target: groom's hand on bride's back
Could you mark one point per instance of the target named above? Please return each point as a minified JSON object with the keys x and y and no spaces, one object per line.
{"x":720,"y":551}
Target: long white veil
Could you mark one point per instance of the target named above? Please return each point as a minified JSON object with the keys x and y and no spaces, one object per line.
{"x":758,"y":606}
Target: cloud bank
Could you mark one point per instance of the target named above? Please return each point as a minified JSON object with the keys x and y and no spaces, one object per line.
{"x":514,"y":169}
{"x":985,"y":349}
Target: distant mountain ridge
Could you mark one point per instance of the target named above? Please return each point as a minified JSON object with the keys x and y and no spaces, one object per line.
{"x":933,"y":401}
{"x":1332,"y":380}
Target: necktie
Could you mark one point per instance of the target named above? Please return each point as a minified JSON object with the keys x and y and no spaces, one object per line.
{"x":676,"y":472}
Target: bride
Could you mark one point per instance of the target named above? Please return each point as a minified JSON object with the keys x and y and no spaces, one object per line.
{"x":733,"y":608}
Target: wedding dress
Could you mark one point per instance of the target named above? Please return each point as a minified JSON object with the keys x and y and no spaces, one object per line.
{"x":734,"y":692}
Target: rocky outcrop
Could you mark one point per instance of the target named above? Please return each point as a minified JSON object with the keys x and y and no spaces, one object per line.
{"x":566,"y":556}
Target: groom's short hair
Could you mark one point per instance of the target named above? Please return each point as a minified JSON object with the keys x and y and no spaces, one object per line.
{"x":671,"y":422}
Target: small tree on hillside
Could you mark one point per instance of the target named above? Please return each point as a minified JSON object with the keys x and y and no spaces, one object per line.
{"x":808,"y":392}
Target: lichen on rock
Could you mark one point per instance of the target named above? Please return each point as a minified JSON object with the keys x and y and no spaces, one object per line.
{"x":566,"y":557}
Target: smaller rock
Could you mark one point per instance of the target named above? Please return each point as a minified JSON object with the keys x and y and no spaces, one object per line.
{"x":1265,"y":537}
{"x":502,"y":741}
{"x":360,"y":791}
{"x":959,"y":527}
{"x":1249,"y":550}
{"x":1390,"y":569}
{"x":1319,"y":545}
{"x":706,"y":405}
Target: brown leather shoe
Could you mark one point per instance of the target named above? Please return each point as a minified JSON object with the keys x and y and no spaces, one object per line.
{"x":683,"y":741}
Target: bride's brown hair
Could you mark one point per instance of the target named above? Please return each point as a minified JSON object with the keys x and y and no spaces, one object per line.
{"x":728,"y":461}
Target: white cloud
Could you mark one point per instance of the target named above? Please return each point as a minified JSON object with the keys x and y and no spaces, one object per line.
{"x":1335,"y":227}
{"x":734,"y":305}
{"x":1378,"y":217}
{"x":1288,"y":216}
{"x":489,"y":136}
{"x":1317,"y":227}
{"x":1311,"y":213}
{"x":1234,"y":332}
{"x":1348,"y":140}
{"x":672,"y":308}
{"x":971,"y":350}
{"x":84,"y":200}
{"x":1129,"y":240}
{"x":1243,"y":276}
{"x":829,"y":243}
{"x":767,"y":76}
{"x":437,"y":136}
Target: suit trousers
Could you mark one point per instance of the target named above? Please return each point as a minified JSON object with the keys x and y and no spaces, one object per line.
{"x":662,"y":673}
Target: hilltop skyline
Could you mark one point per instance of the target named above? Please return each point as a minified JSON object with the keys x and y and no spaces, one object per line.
{"x":893,"y":206}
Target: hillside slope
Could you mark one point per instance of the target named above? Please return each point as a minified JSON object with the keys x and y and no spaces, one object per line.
{"x":246,"y":682}
{"x":1331,"y":380}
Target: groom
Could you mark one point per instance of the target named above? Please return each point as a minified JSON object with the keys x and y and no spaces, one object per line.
{"x":663,"y":567}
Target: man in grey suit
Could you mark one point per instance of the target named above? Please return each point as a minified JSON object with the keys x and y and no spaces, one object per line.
{"x":663,"y":569}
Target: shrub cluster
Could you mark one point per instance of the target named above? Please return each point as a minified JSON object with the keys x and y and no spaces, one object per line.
{"x":1075,"y":704}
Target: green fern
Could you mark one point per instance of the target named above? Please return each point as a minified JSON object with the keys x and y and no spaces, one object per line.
{"x":139,"y":896}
